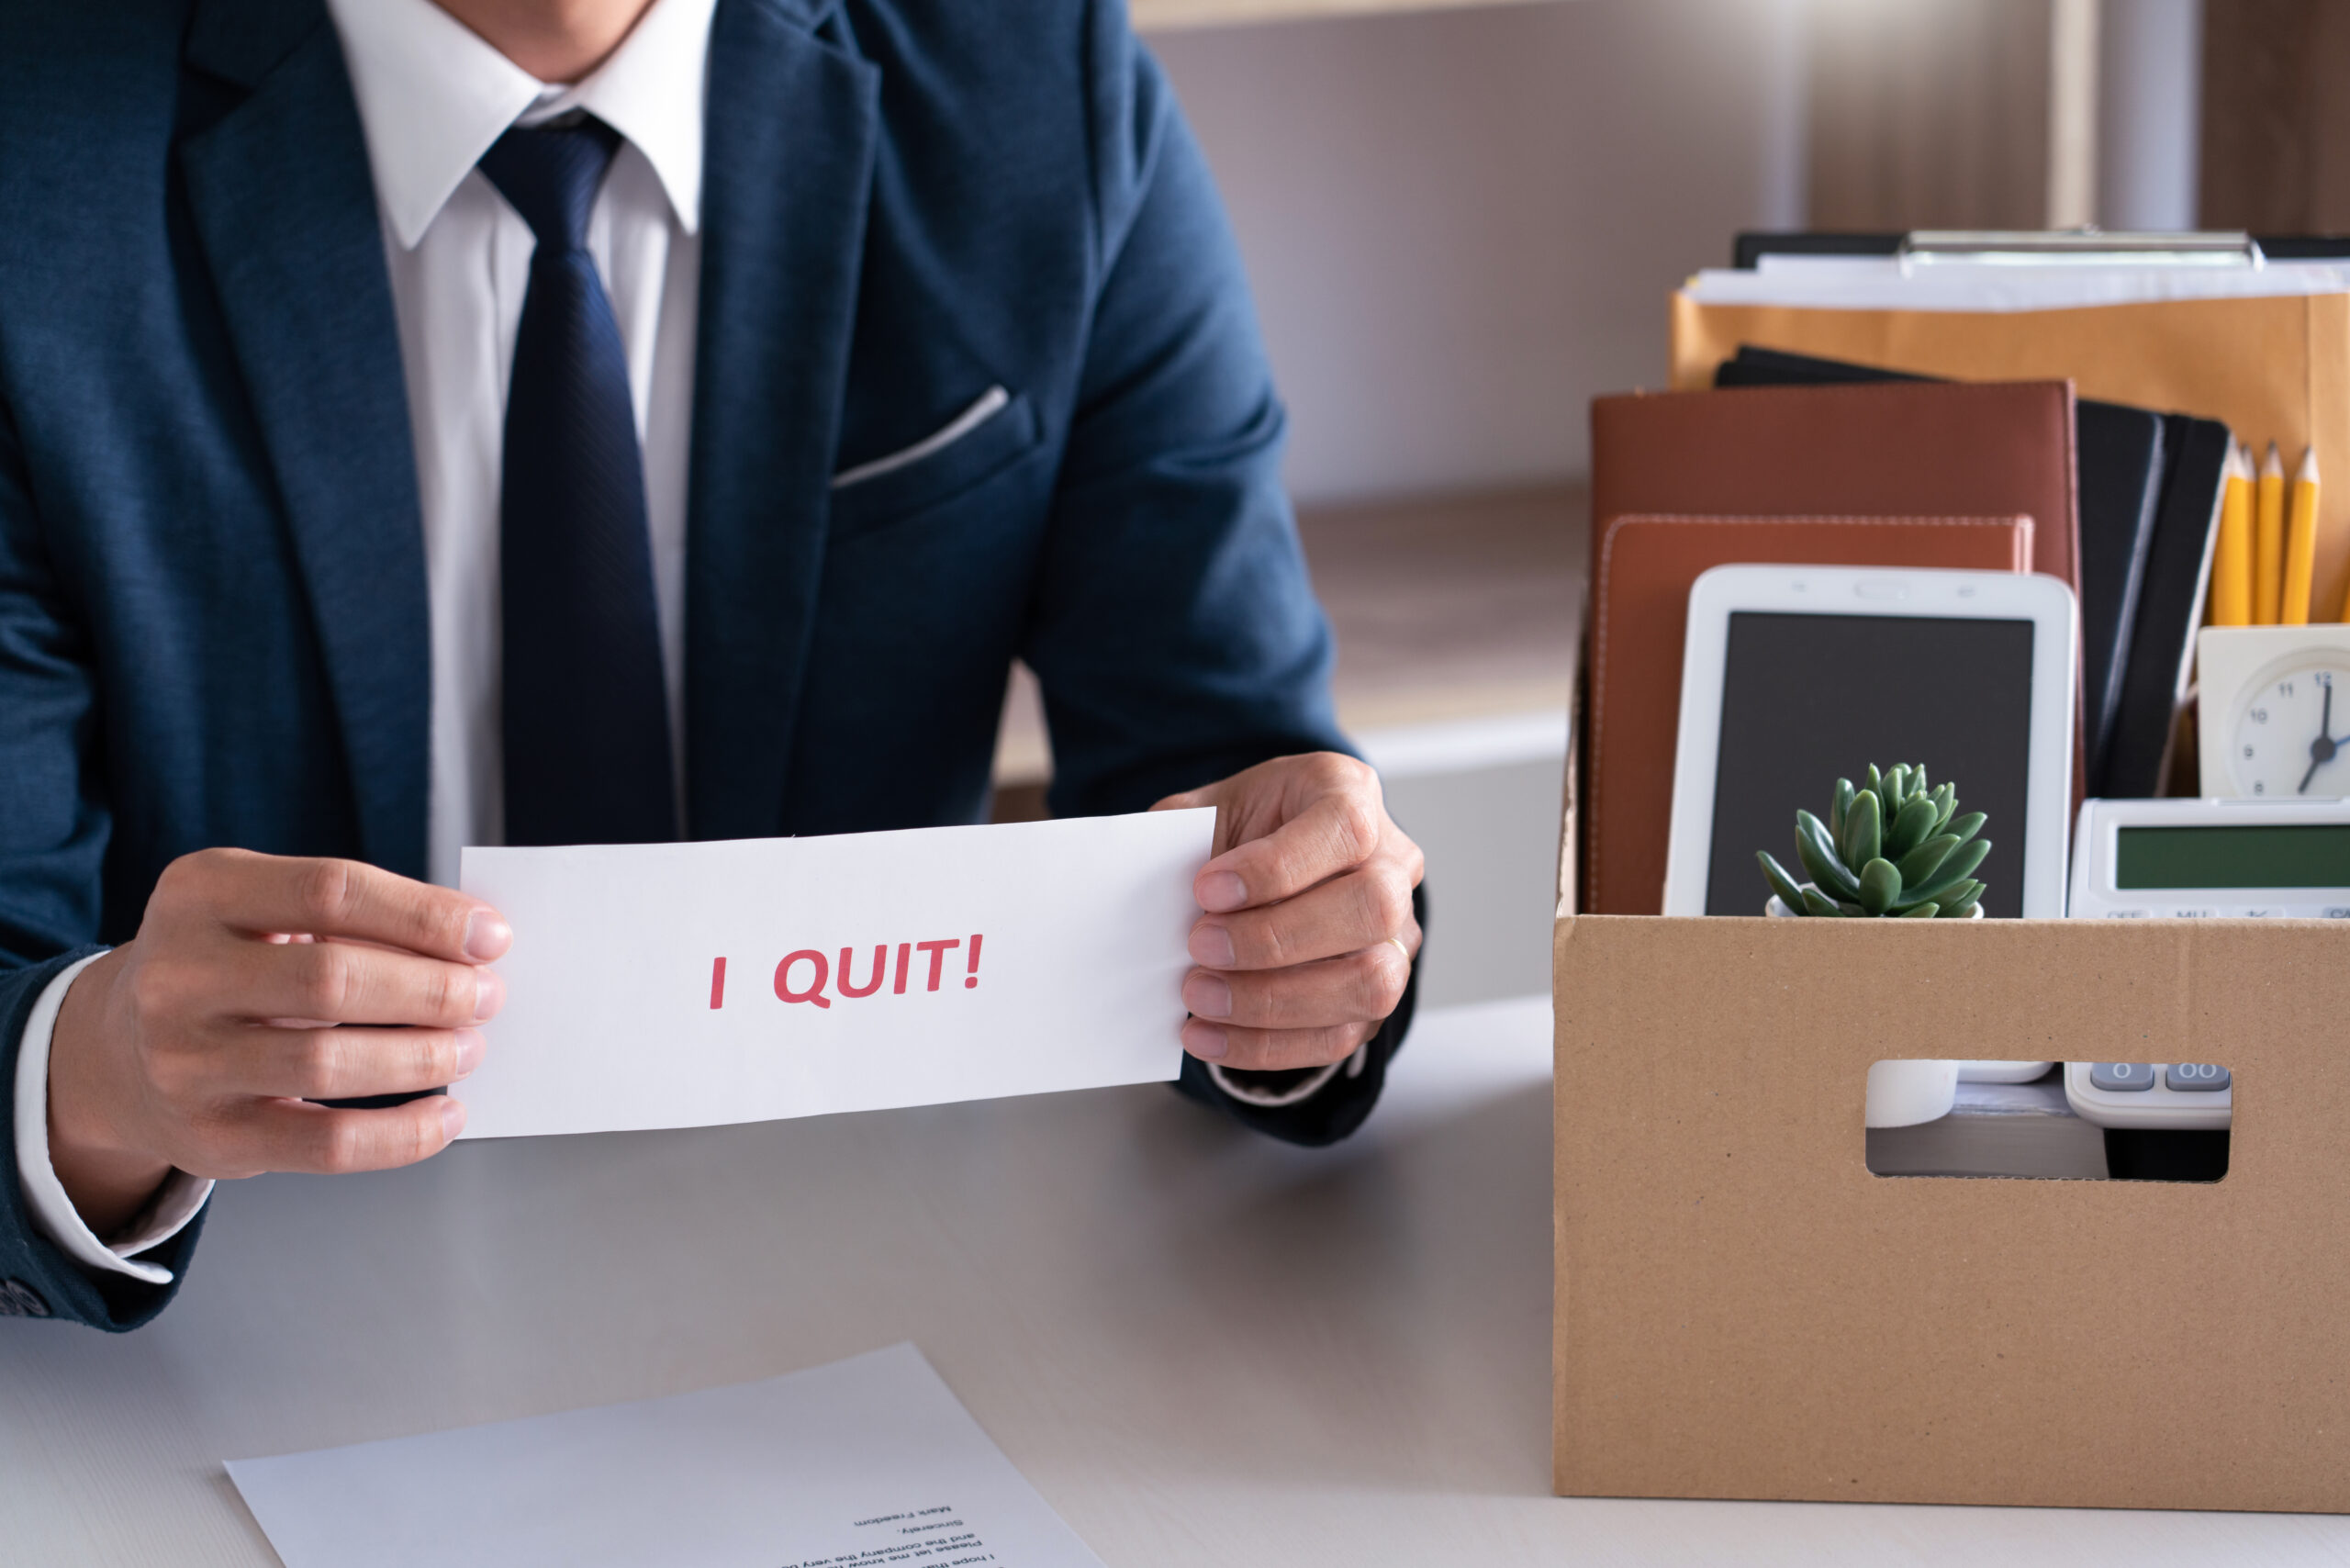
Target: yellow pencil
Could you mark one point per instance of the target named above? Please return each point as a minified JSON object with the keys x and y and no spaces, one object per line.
{"x":2232,"y":559}
{"x":2301,"y":544}
{"x":2269,"y":540}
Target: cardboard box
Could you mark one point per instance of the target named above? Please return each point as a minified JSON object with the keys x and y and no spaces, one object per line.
{"x":1744,"y":1311}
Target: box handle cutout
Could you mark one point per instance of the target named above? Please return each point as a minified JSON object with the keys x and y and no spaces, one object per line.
{"x":2078,"y":1121}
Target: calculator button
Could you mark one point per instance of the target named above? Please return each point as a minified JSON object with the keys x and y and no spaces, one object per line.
{"x":2121,"y":1077}
{"x":2195,"y":1078}
{"x":2337,"y":912}
{"x":2129,"y":913}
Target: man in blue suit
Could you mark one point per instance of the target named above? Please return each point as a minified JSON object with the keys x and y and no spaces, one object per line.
{"x":427,"y":422}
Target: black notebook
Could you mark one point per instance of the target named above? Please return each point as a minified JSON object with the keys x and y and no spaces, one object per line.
{"x":2170,"y":607}
{"x":2120,"y":463}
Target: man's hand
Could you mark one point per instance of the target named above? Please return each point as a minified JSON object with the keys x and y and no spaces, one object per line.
{"x":255,"y":985}
{"x":1310,"y":882}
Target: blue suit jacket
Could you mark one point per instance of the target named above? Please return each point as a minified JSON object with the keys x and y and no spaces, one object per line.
{"x":212,"y":591}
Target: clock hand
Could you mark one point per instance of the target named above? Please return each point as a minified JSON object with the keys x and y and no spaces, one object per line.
{"x":2322,"y":748}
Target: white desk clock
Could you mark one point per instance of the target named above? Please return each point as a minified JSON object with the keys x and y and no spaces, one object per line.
{"x":2267,"y":722}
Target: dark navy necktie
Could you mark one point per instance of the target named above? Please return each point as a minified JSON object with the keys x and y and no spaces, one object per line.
{"x":586,"y":723}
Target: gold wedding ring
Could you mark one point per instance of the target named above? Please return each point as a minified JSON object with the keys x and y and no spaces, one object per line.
{"x":1401,"y":949}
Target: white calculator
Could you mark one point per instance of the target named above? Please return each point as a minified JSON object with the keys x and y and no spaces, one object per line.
{"x":2187,"y":1096}
{"x":2209,"y":859}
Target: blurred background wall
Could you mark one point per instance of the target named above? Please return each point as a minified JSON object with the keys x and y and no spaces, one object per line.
{"x":2276,"y":116}
{"x":1463,"y":222}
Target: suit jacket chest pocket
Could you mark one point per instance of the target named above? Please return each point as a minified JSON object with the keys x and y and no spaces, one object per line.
{"x":990,"y":435}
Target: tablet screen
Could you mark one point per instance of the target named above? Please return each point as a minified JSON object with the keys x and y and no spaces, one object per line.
{"x":1808,"y":699}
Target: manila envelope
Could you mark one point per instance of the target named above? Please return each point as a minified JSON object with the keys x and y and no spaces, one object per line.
{"x":2270,"y":369}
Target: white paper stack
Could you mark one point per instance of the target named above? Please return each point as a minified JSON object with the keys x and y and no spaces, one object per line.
{"x":1884,"y":283}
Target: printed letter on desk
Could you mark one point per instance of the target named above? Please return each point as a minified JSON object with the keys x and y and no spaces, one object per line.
{"x":669,"y":985}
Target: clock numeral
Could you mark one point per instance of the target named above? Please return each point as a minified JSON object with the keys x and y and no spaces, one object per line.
{"x":2258,"y":788}
{"x":2323,"y":677}
{"x":2259,"y":716}
{"x":2247,"y":751}
{"x":2284,"y":689}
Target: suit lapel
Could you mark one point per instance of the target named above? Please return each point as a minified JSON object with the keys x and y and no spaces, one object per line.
{"x":284,"y":210}
{"x":793,"y":125}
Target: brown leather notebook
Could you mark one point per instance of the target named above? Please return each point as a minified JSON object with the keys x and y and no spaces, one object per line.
{"x":1870,"y":449}
{"x":1880,"y":450}
{"x":1642,"y":574}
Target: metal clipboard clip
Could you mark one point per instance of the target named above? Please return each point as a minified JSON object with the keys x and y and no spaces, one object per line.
{"x":2089,"y":246}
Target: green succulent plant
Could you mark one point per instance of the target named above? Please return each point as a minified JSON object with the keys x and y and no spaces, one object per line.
{"x":1891,"y":847}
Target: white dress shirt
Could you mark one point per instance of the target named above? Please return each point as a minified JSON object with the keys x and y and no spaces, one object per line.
{"x":432,"y":98}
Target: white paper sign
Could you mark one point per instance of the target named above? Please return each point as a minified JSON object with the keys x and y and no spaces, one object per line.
{"x":674,"y":985}
{"x":867,"y":1462}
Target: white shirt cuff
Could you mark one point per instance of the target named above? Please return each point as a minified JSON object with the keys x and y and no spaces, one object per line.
{"x":1297,"y":1093}
{"x":53,"y":1214}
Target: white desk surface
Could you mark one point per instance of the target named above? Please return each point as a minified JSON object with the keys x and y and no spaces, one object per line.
{"x":1202,"y":1347}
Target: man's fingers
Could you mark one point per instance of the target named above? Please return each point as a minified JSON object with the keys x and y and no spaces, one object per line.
{"x":263,"y":894}
{"x":344,"y":1064}
{"x":1335,"y":833}
{"x":1271,"y":1050}
{"x":1348,"y":989}
{"x":347,"y":983}
{"x":320,"y":1138}
{"x":293,"y":1135}
{"x":1366,"y":905}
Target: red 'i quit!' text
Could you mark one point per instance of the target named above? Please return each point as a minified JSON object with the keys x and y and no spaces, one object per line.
{"x":813,"y":977}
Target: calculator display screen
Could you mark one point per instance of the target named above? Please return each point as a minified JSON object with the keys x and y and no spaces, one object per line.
{"x":2303,"y":855}
{"x":1808,"y":698}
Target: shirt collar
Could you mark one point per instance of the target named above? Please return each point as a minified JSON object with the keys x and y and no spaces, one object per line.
{"x":434,"y":95}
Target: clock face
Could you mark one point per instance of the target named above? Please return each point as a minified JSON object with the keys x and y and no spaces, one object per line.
{"x":2292,"y":738}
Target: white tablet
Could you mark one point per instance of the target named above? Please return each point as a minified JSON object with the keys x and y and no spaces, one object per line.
{"x":1793,"y":677}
